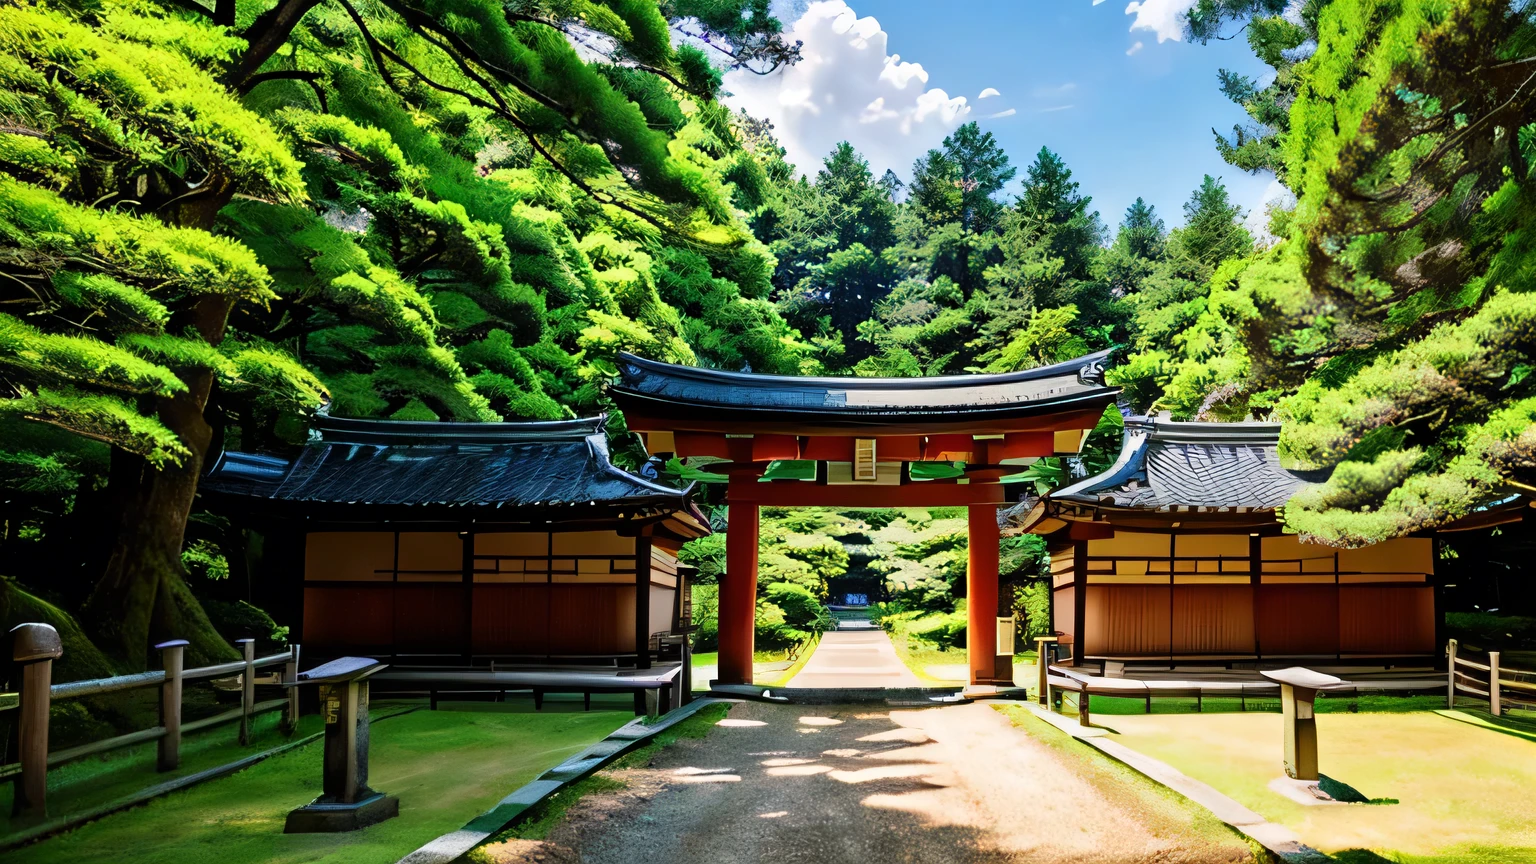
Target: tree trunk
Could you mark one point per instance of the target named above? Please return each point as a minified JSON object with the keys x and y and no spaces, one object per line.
{"x":142,"y":597}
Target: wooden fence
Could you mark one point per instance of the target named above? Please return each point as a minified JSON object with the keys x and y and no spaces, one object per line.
{"x":1501,"y":685}
{"x":38,"y":693}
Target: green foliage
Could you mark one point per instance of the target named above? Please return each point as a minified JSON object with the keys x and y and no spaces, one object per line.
{"x":1391,"y":329}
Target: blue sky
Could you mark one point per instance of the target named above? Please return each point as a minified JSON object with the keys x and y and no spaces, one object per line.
{"x":1128,"y":125}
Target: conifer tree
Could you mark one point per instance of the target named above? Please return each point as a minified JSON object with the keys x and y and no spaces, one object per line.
{"x":214,"y":218}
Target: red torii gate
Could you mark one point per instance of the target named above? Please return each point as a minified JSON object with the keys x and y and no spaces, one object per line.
{"x":862,"y":442}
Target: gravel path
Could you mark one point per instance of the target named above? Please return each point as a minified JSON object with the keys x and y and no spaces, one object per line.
{"x":788,"y":784}
{"x":855,"y":658}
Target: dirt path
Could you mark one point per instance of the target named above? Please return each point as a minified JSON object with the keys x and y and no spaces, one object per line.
{"x":855,"y":658}
{"x":788,"y":784}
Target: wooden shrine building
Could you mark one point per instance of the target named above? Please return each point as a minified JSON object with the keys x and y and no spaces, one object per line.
{"x":463,"y":541}
{"x":1175,"y":553}
{"x":863,"y":442}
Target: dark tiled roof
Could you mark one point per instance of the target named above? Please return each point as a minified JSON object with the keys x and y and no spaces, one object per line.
{"x":665,"y":388}
{"x":380,"y":462}
{"x":1164,"y":465}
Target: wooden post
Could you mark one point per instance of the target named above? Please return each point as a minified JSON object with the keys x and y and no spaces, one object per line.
{"x":247,"y":688}
{"x":291,"y":677}
{"x":643,"y":601}
{"x":1494,"y":706}
{"x":172,"y":656}
{"x":34,"y":647}
{"x":1079,"y":602}
{"x":1083,"y":700}
{"x":1255,"y":584}
{"x":981,"y":593}
{"x":1043,"y":669}
{"x":738,"y":594}
{"x":1450,"y":675}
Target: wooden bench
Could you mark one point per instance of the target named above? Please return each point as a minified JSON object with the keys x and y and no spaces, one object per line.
{"x":658,"y":686}
{"x":1067,"y":679}
{"x":1087,"y":685}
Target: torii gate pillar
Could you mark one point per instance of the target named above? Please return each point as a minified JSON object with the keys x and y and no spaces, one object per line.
{"x":738,"y":594}
{"x":981,"y":596}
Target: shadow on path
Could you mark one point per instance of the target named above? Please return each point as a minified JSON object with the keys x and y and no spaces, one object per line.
{"x":777,"y":783}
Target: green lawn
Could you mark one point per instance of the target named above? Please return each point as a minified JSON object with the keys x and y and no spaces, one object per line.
{"x":1464,"y":794}
{"x":446,"y":766}
{"x":770,"y":669}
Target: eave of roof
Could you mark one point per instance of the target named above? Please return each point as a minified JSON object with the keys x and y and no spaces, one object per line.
{"x":529,"y":470}
{"x":1167,"y":471}
{"x":667,"y":390}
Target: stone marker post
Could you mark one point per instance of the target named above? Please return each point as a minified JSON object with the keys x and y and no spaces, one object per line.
{"x":34,"y":647}
{"x":1298,"y":692}
{"x":346,"y":802}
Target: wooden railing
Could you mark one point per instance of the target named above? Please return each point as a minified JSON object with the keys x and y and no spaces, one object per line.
{"x":37,"y":694}
{"x":1501,"y":685}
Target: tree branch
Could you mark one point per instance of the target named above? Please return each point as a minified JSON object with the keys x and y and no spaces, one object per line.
{"x":380,"y":51}
{"x":269,"y":32}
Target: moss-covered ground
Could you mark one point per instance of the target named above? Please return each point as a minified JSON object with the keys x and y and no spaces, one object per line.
{"x":446,"y":766}
{"x":1459,"y":794}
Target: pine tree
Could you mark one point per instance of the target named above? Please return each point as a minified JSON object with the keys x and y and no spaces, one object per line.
{"x":213,"y":221}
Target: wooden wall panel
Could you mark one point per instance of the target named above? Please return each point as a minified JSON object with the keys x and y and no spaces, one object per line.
{"x":429,"y":618}
{"x":1212,"y":619}
{"x":1387,"y":619}
{"x":592,"y":619}
{"x":1127,"y":620}
{"x":1298,"y":619}
{"x":511,"y":618}
{"x":1061,"y":616}
{"x":352,"y":618}
{"x":349,"y":555}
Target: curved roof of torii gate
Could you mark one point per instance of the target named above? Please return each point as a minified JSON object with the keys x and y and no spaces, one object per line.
{"x":655,"y":395}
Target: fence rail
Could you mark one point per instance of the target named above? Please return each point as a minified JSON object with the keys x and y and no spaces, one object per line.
{"x":1501,"y":685}
{"x":36,"y":646}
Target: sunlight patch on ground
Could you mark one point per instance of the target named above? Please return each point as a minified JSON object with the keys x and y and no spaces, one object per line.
{"x":881,"y":772}
{"x":798,"y":770}
{"x":820,"y":721}
{"x":738,"y":723}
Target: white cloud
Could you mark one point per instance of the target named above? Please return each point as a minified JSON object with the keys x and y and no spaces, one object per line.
{"x":1131,"y":51}
{"x":1055,"y":108}
{"x":845,"y":88}
{"x":1097,"y":2}
{"x":988,"y":93}
{"x":1008,"y":113}
{"x":1274,"y":197}
{"x":1162,"y":17}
